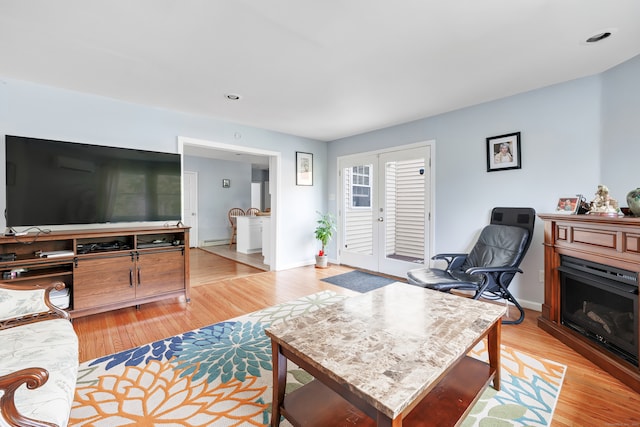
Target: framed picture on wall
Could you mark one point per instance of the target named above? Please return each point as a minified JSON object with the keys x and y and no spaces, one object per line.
{"x":304,"y":168}
{"x":503,"y":152}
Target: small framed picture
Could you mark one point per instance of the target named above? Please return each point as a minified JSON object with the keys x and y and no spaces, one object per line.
{"x":226,"y":183}
{"x":304,"y":168}
{"x":503,"y":152}
{"x":568,"y":205}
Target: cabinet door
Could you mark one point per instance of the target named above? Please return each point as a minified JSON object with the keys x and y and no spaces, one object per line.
{"x":103,"y":281}
{"x":160,"y":272}
{"x":249,"y":235}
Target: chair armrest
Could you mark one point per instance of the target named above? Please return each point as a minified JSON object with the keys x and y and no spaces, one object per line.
{"x":484,"y":270}
{"x":454,"y":260}
{"x":20,"y":304}
{"x":9,"y":383}
{"x":493,"y":276}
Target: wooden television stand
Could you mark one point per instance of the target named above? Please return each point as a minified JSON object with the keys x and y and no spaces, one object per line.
{"x":104,"y":269}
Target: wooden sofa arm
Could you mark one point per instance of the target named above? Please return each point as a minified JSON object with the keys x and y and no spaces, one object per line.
{"x":21,"y":304}
{"x":32,"y":378}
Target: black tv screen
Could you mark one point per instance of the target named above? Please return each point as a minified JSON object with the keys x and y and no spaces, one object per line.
{"x":59,"y":183}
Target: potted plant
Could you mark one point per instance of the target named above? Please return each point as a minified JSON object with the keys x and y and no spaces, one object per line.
{"x":324,"y":231}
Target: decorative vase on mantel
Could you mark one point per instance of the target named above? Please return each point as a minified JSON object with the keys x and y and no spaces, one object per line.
{"x":633,"y":200}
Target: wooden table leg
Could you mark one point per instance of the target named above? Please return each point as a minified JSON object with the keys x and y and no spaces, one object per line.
{"x":493,"y":346}
{"x":384,"y":421}
{"x":279,"y":382}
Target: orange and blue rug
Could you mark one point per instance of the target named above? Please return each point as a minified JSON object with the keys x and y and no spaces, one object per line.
{"x":220,"y":375}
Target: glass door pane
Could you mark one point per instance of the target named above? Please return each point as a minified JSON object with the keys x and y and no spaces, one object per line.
{"x":359,"y":203}
{"x":405,"y":210}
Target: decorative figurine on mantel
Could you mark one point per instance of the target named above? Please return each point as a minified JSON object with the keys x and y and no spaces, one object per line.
{"x":603,"y":204}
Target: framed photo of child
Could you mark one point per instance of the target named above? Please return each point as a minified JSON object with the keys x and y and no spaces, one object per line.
{"x":568,"y":205}
{"x":503,"y":152}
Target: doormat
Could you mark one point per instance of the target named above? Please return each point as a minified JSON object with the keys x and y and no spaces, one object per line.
{"x":359,"y":281}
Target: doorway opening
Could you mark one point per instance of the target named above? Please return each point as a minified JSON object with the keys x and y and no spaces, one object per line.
{"x":270,"y":160}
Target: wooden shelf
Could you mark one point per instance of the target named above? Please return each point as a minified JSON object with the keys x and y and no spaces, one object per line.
{"x":34,"y":261}
{"x":42,"y":274}
{"x":316,"y":405}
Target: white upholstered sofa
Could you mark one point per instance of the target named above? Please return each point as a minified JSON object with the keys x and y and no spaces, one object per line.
{"x":38,"y":358}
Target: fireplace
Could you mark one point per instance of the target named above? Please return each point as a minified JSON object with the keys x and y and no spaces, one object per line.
{"x":591,"y":278}
{"x":601,"y":303}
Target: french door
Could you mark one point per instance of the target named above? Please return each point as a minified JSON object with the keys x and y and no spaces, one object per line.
{"x":384,"y":210}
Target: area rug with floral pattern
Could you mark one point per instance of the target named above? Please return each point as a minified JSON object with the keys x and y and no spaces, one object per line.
{"x":220,"y":375}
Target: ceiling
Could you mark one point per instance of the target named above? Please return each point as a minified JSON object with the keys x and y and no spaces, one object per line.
{"x":318,"y":69}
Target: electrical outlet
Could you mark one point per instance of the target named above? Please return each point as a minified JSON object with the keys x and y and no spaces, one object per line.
{"x":541,"y":276}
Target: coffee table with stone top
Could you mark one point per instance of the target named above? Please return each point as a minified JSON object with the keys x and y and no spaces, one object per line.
{"x":390,"y":357}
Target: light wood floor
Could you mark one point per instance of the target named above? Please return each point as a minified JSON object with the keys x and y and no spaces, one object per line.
{"x":230,"y":252}
{"x":225,"y":289}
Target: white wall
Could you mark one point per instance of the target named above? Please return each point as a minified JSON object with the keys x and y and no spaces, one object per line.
{"x":214,"y":201}
{"x":621,"y":129}
{"x":560,"y":127}
{"x":38,"y":111}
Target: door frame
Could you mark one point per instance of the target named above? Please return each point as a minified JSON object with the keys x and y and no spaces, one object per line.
{"x":431,"y":144}
{"x":193,"y":232}
{"x":275,"y":160}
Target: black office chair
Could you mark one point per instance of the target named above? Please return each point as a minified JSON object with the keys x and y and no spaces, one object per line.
{"x":491,"y":264}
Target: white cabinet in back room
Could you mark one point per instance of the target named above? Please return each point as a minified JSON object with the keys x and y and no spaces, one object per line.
{"x":266,"y":239}
{"x":249,"y":234}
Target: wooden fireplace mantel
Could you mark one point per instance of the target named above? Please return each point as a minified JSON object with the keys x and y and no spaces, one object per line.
{"x":614,"y":241}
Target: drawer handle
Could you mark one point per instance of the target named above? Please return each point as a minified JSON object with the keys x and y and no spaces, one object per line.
{"x":139,"y":279}
{"x":131,"y":278}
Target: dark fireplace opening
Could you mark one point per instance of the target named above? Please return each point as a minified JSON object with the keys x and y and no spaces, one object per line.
{"x":601,"y":303}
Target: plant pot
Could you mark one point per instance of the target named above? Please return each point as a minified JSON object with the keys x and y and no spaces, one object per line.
{"x":322,"y":261}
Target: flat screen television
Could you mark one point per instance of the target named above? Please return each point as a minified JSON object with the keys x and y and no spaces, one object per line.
{"x":61,"y":183}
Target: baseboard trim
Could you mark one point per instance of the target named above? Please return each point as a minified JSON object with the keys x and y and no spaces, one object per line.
{"x":531,"y":305}
{"x":214,"y":242}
